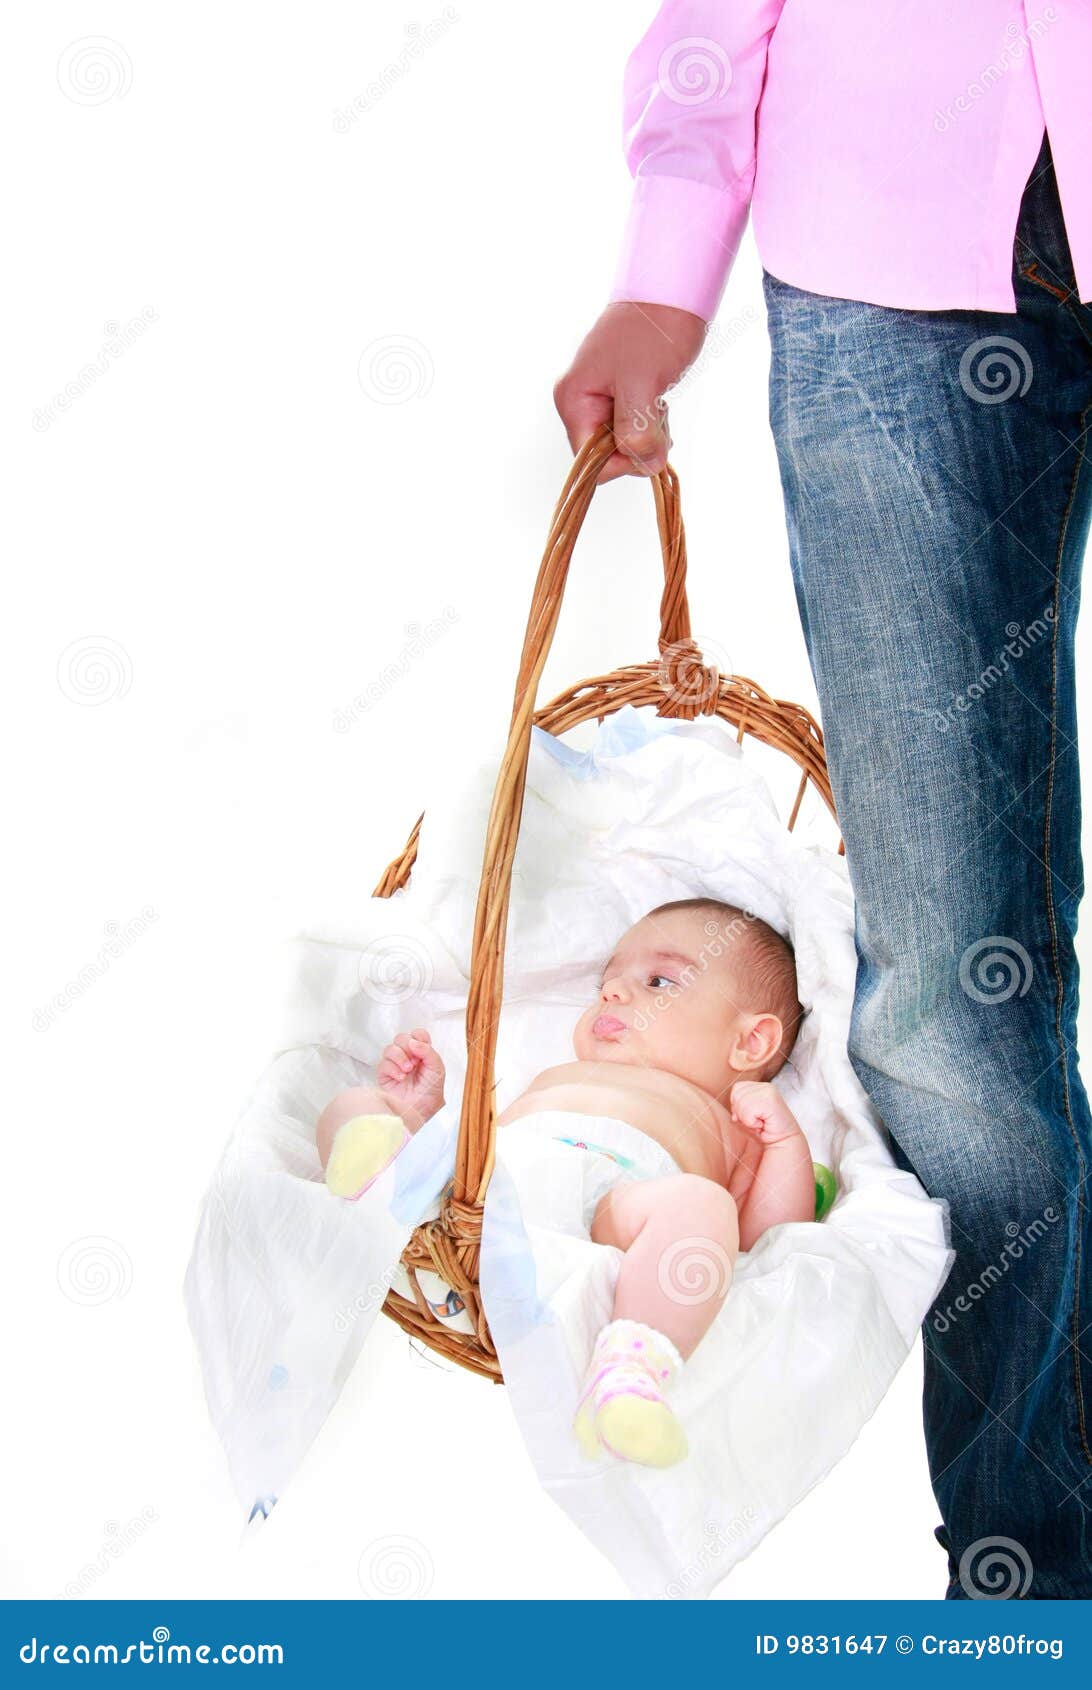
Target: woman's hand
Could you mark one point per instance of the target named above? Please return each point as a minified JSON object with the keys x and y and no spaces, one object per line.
{"x":411,"y":1076}
{"x":620,"y":374}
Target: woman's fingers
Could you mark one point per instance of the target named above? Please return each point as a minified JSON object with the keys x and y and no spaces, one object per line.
{"x":622,"y":369}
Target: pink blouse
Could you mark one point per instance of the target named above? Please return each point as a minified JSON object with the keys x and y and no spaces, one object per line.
{"x":883,"y":145}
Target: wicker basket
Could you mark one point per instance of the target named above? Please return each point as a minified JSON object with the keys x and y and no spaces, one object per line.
{"x":678,"y":684}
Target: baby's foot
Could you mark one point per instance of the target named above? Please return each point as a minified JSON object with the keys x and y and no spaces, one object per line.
{"x":639,"y":1427}
{"x":622,"y":1409}
{"x":363,"y":1147}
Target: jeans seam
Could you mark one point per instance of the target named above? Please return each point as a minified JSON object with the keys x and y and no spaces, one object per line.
{"x":1075,"y":308}
{"x":1059,"y":293}
{"x":1068,"y":297}
{"x":1059,"y":985}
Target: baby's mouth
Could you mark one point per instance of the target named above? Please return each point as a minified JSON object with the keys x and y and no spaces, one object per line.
{"x":607,"y":1027}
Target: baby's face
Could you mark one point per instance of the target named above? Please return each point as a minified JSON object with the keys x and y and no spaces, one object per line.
{"x":669,"y":1000}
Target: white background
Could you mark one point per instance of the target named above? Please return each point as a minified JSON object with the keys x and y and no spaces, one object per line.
{"x":244,"y":534}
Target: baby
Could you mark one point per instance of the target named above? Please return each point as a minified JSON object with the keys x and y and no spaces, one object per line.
{"x":697,"y":1010}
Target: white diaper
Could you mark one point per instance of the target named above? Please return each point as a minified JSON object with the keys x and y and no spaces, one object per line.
{"x":562,"y":1162}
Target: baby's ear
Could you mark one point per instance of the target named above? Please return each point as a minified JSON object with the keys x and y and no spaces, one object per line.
{"x":757,"y":1040}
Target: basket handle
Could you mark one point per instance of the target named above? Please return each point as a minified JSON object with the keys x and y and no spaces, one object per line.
{"x":687,"y":692}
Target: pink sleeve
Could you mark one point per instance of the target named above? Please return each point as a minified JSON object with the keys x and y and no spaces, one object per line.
{"x":691,"y":92}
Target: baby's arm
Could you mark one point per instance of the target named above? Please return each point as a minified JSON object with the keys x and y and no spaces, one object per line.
{"x":411,"y":1086}
{"x":784,"y":1184}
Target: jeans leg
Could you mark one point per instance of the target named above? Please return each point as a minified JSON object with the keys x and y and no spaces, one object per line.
{"x":938,"y":499}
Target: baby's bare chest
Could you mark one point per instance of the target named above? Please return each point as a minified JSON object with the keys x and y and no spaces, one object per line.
{"x":697,"y":1131}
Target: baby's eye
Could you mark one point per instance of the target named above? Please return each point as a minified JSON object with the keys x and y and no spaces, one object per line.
{"x":652,"y":979}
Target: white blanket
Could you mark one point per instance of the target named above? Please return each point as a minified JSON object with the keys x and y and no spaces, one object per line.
{"x":285,"y":1281}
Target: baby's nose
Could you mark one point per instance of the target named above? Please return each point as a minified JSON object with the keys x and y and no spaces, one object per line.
{"x":614,"y":991}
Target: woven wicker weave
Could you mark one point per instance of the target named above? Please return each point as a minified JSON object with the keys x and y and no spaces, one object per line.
{"x":677,"y":683}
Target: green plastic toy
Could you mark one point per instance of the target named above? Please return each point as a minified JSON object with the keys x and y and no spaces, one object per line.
{"x":825,"y":1190}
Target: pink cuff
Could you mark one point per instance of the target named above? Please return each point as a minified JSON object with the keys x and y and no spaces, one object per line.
{"x":680,"y":242}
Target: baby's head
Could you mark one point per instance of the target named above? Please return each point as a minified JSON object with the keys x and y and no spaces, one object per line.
{"x":700,"y":989}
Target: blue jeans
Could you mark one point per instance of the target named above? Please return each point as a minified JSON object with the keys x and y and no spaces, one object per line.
{"x":937,"y":499}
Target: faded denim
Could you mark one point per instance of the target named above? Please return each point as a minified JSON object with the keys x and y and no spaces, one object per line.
{"x":937,"y":497}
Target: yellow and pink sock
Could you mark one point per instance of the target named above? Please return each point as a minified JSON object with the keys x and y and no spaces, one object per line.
{"x":362,"y":1148}
{"x":622,"y":1410}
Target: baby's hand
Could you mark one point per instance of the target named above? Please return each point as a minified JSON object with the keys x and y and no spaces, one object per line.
{"x":411,"y":1074}
{"x":761,"y":1109}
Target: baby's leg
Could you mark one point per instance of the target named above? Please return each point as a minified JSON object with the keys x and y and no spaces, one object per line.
{"x":680,"y":1236}
{"x":355,"y":1100}
{"x":374,"y":1134}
